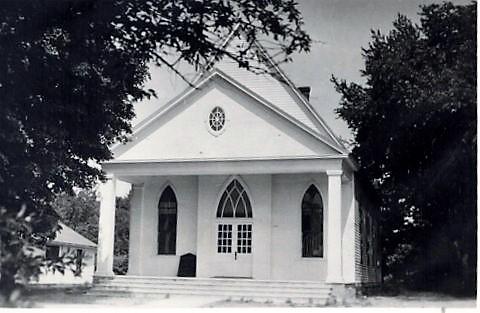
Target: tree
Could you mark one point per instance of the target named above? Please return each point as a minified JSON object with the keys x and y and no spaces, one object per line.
{"x":81,"y":211}
{"x":414,"y":123}
{"x":122,"y":231}
{"x":71,"y":70}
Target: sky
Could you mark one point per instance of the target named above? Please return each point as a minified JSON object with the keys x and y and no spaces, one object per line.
{"x":339,"y":29}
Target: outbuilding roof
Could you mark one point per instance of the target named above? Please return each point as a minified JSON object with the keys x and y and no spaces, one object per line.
{"x":69,"y":237}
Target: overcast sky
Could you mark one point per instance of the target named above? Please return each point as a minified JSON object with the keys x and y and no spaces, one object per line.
{"x":340,"y":28}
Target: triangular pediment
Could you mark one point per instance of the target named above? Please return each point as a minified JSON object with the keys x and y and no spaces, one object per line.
{"x":253,"y":129}
{"x":267,"y":117}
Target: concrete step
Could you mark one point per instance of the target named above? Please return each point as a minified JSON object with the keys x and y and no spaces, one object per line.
{"x":211,"y":281}
{"x":212,"y":285}
{"x":213,"y":290}
{"x":274,"y":298}
{"x":310,"y":292}
{"x":234,"y":279}
{"x":301,"y":292}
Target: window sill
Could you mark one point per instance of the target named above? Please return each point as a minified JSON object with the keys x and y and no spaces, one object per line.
{"x":312,"y":259}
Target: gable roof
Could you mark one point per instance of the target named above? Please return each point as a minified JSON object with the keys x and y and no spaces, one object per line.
{"x":272,"y":89}
{"x":68,"y":236}
{"x":279,"y":89}
{"x":282,"y":80}
{"x":306,"y":102}
{"x":144,"y":128}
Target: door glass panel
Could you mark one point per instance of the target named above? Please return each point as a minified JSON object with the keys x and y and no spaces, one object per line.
{"x":224,"y":238}
{"x":244,"y":238}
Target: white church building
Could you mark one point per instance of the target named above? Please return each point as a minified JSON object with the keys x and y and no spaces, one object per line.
{"x":243,"y":173}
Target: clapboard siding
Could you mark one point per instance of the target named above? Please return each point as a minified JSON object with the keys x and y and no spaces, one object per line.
{"x":358,"y":251}
{"x":365,"y":273}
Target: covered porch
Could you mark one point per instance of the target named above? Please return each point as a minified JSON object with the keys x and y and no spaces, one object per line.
{"x":275,"y":188}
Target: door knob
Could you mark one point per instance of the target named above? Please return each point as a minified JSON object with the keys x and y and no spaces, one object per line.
{"x":235,"y":255}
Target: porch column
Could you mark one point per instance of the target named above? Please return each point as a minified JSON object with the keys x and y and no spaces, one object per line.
{"x":348,"y":242}
{"x":334,"y":247}
{"x":106,"y":227}
{"x":136,"y":231}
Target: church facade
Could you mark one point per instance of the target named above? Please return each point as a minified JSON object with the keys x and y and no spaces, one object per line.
{"x":241,"y":172}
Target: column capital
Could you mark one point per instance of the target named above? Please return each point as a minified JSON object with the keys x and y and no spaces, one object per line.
{"x":334,"y":172}
{"x":109,"y":176}
{"x":138,"y":186}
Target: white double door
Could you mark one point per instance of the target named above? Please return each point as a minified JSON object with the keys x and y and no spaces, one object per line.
{"x":234,"y":250}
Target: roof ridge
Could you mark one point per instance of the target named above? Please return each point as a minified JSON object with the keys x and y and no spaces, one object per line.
{"x":318,"y":135}
{"x":301,"y":97}
{"x":161,"y":111}
{"x":276,"y":67}
{"x":304,"y":106}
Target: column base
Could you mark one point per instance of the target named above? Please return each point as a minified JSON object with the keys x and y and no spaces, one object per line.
{"x":104,"y":274}
{"x":334,"y":280}
{"x":342,"y":294}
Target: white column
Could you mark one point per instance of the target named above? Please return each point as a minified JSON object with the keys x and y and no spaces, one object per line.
{"x":205,"y":229}
{"x":106,"y":227}
{"x":348,"y":241}
{"x":334,"y":244}
{"x":136,"y":231}
{"x":261,"y":188}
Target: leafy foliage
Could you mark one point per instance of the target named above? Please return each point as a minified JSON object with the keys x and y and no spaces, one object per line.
{"x":21,"y":259}
{"x":122,"y":230}
{"x":71,"y":70}
{"x":415,"y":140}
{"x":81,"y":212}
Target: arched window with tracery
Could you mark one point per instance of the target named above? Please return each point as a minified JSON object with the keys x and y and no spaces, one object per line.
{"x":234,"y":202}
{"x":167,"y":222}
{"x":312,"y":223}
{"x":234,"y":233}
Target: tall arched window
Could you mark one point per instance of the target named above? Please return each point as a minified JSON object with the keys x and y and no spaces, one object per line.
{"x":312,"y":223}
{"x":234,"y":202}
{"x":167,"y":222}
{"x":234,"y":235}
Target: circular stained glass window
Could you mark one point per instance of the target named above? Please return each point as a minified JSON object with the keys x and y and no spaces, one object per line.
{"x":217,"y":119}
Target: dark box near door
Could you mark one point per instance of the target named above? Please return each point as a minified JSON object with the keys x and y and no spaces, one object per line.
{"x":187,"y":266}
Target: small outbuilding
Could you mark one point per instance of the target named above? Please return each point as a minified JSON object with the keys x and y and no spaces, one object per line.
{"x":69,"y":242}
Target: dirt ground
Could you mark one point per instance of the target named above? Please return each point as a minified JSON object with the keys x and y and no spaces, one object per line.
{"x":76,"y":298}
{"x":419,"y":300}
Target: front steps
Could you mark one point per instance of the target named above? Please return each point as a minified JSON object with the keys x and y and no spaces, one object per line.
{"x":288,"y":292}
